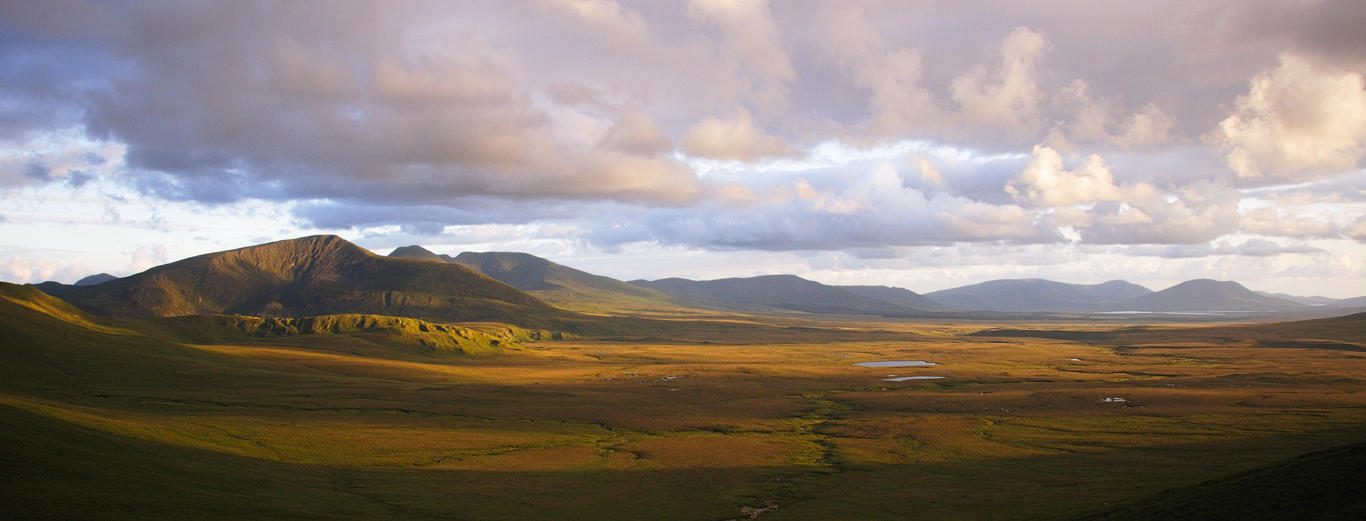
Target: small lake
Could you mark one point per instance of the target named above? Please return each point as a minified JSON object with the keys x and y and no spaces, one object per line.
{"x":897,"y":363}
{"x":905,"y":378}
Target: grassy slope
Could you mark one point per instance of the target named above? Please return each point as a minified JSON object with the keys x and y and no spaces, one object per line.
{"x":1324,"y":486}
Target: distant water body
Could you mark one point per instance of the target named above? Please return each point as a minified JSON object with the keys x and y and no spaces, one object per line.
{"x":905,"y":378}
{"x":897,"y":363}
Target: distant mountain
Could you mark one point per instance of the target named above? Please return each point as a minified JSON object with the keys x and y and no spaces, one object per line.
{"x":419,"y":253}
{"x":99,"y":278}
{"x":775,"y":292}
{"x":1355,"y":302}
{"x":1038,"y":295}
{"x":1205,"y":295}
{"x":898,"y":296}
{"x":318,"y":275}
{"x":557,"y":284}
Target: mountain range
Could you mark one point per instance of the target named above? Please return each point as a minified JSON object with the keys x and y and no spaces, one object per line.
{"x":557,"y":284}
{"x":325,"y":274}
{"x":318,"y":275}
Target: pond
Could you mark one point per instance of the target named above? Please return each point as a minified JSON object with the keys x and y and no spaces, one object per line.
{"x":897,"y":363}
{"x":905,"y":378}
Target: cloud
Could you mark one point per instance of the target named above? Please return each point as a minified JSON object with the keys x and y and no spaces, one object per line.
{"x":753,"y":49}
{"x":734,"y":138}
{"x":1008,"y":99}
{"x":637,"y":133}
{"x":875,"y":209}
{"x":1248,"y":248}
{"x":25,"y":270}
{"x":1297,"y":121}
{"x":1089,"y":120}
{"x":605,"y":19}
{"x":1191,"y":215}
{"x":1357,"y":229}
{"x":1045,"y":182}
{"x":1271,"y":221}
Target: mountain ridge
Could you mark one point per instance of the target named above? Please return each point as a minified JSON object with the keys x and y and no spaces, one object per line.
{"x":315,"y":275}
{"x":1036,"y":295}
{"x":555,"y":283}
{"x":766,"y":293}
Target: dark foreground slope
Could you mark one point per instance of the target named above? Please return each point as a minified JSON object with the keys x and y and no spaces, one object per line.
{"x":557,"y":284}
{"x":1323,"y":486}
{"x":319,"y":275}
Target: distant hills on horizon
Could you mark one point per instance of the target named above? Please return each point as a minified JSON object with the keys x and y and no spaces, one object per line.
{"x":327,"y":274}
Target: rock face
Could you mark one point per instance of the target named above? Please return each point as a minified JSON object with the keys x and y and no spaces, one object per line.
{"x":316,"y":275}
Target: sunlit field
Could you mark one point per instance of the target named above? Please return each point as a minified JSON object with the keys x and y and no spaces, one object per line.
{"x":778,"y":423}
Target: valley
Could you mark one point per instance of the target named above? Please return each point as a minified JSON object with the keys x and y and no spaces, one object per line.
{"x":700,"y":415}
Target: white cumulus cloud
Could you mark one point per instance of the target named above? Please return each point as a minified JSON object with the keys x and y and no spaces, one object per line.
{"x":1297,"y":121}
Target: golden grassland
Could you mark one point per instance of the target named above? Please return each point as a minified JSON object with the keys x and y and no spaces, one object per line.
{"x":116,"y":419}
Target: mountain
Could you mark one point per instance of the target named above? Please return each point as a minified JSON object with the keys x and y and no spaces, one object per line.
{"x":99,"y":278}
{"x":557,"y":284}
{"x":1205,"y":295}
{"x":897,"y":296}
{"x":419,"y":253}
{"x":1037,"y":295}
{"x":1355,"y":302}
{"x":775,"y":292}
{"x":318,"y":275}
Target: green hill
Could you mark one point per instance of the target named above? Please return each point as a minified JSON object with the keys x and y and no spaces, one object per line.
{"x":318,"y":275}
{"x":557,"y":284}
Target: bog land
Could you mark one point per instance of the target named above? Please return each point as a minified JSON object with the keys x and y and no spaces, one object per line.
{"x":357,"y":418}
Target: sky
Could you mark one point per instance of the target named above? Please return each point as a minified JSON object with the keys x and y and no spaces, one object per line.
{"x":924,"y":145}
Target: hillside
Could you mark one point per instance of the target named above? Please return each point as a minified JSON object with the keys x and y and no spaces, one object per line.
{"x":557,"y":284}
{"x":1324,"y":486}
{"x":772,"y":292}
{"x":318,"y":275}
{"x":897,"y":296}
{"x":1037,"y":295}
{"x":1204,"y":295}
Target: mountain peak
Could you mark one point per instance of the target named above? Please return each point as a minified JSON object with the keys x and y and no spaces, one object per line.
{"x":91,"y":280}
{"x":417,"y":252}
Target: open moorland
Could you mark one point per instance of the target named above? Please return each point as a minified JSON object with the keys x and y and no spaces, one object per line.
{"x":356,"y":417}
